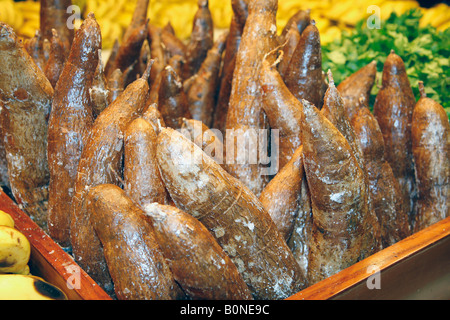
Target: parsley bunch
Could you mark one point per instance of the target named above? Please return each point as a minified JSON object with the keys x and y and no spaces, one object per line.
{"x":425,"y":52}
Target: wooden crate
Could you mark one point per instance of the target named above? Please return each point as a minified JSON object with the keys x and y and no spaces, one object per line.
{"x":417,"y":267}
{"x":49,"y":261}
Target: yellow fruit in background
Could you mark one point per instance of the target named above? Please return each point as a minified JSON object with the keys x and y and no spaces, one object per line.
{"x":28,"y":287}
{"x":6,"y":219}
{"x":14,"y":250}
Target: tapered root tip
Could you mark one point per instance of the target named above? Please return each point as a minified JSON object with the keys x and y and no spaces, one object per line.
{"x":146,"y":74}
{"x":330,"y":78}
{"x":422,"y":89}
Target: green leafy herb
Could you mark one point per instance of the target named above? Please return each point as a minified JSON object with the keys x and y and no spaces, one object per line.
{"x":424,"y":50}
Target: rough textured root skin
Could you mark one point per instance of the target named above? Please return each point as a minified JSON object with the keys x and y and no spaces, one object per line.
{"x":156,"y":52}
{"x":154,"y":117}
{"x":393,"y":110}
{"x":70,"y":121}
{"x":356,"y":87}
{"x":4,"y":179}
{"x":115,"y":85}
{"x":56,"y":60}
{"x":333,"y":109}
{"x":99,"y":92}
{"x":245,"y":112}
{"x":240,"y":13}
{"x":112,"y":56}
{"x":34,"y":47}
{"x":431,"y":150}
{"x":210,"y":141}
{"x":337,"y":187}
{"x":26,"y":96}
{"x":201,"y":40}
{"x":100,"y":163}
{"x":142,"y":180}
{"x":282,"y":110}
{"x":173,"y":45}
{"x":301,"y":234}
{"x":53,"y":15}
{"x":128,"y":53}
{"x":282,"y":194}
{"x":383,"y":186}
{"x":138,"y":19}
{"x":204,"y":273}
{"x":232,"y":213}
{"x":300,"y":20}
{"x":172,"y":100}
{"x":139,"y":269}
{"x":303,"y":76}
{"x":292,"y":39}
{"x":201,"y":96}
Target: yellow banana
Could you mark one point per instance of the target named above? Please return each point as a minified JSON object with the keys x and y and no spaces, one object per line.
{"x":28,"y":287}
{"x":6,"y":219}
{"x":14,"y":250}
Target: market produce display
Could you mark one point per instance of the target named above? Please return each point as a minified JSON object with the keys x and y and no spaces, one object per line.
{"x":149,"y":165}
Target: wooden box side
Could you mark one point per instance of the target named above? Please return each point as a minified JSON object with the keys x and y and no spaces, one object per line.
{"x":49,"y":261}
{"x":418,"y":267}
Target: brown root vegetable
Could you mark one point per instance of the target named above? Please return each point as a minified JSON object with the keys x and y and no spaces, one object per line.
{"x":55,"y":14}
{"x":154,"y":117}
{"x":34,"y":47}
{"x":383,"y":186}
{"x":356,"y":87}
{"x":198,"y":263}
{"x":333,"y":109}
{"x":240,"y":13}
{"x":282,"y":110}
{"x":303,"y":76}
{"x":172,"y":44}
{"x":292,"y":38}
{"x":99,"y":92}
{"x":115,"y":85}
{"x":172,"y":100}
{"x":135,"y":260}
{"x":202,"y":92}
{"x":138,"y":19}
{"x":300,"y":238}
{"x":201,"y":40}
{"x":101,"y":163}
{"x":70,"y":122}
{"x":142,"y":180}
{"x":245,"y":113}
{"x":232,"y":213}
{"x":4,"y":179}
{"x":209,"y":140}
{"x":112,"y":57}
{"x":337,"y":187}
{"x":156,"y":52}
{"x":393,"y":109}
{"x":300,"y":20}
{"x":129,"y":51}
{"x":282,"y":194}
{"x":431,"y":150}
{"x":26,"y":96}
{"x":56,"y":60}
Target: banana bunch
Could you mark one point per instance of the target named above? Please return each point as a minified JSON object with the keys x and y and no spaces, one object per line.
{"x":437,"y":16}
{"x":9,"y":14}
{"x":14,"y":247}
{"x":16,"y":282}
{"x":28,"y":12}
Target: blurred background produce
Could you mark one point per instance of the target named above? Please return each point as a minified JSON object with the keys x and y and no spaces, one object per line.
{"x":421,"y":36}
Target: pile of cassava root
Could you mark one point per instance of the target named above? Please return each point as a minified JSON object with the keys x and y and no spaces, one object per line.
{"x":115,"y":161}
